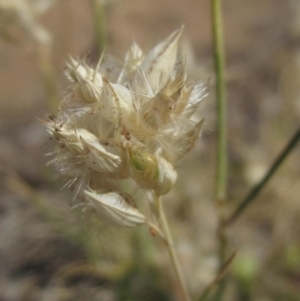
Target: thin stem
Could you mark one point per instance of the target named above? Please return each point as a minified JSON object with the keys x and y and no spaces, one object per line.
{"x":171,"y":250}
{"x":219,"y":58}
{"x":155,"y":230}
{"x":221,"y":180}
{"x":262,"y":183}
{"x":99,"y":19}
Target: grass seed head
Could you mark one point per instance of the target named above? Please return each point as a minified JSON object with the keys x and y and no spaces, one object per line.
{"x":136,"y":125}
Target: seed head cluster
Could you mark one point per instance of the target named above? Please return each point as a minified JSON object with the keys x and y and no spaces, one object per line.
{"x":126,"y":124}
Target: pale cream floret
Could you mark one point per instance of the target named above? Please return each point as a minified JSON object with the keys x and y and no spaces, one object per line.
{"x":115,"y":102}
{"x":134,"y":57}
{"x":97,"y":158}
{"x":159,"y":63}
{"x":86,"y":82}
{"x":115,"y":208}
{"x":81,"y":142}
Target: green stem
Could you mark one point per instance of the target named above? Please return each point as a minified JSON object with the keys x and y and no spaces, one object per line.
{"x":221,"y":181}
{"x":219,"y":58}
{"x":99,"y":19}
{"x":260,"y":185}
{"x":171,"y":250}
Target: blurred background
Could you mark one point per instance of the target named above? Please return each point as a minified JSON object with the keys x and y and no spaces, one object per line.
{"x":48,"y":253}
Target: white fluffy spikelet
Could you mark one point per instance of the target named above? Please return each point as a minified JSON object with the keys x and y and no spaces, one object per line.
{"x":86,"y":83}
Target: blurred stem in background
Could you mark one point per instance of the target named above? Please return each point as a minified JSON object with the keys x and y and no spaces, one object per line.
{"x":221,"y":180}
{"x":259,"y":186}
{"x":99,"y":19}
{"x":222,"y":272}
{"x":44,"y":53}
